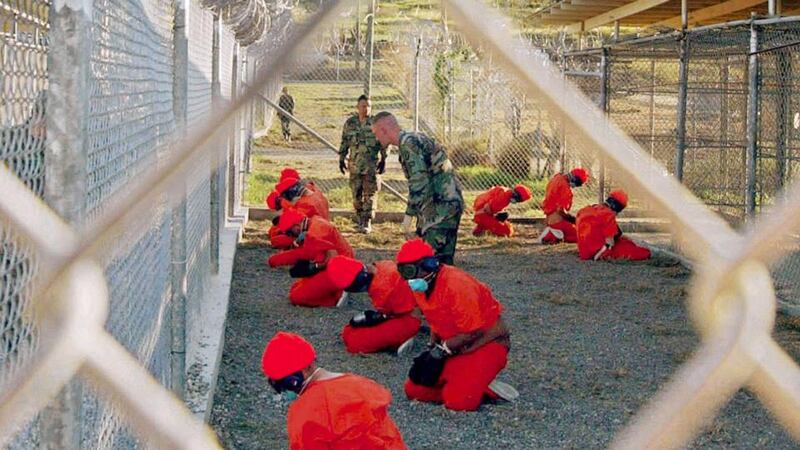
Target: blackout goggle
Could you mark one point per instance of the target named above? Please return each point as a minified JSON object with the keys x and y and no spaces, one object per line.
{"x":289,"y":383}
{"x":408,"y":271}
{"x":360,"y":282}
{"x":412,"y":270}
{"x":293,"y":191}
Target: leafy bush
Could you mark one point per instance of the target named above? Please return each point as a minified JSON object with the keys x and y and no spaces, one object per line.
{"x":469,"y":152}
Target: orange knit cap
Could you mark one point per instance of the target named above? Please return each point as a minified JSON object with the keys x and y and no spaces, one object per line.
{"x":413,"y":251}
{"x":285,"y":354}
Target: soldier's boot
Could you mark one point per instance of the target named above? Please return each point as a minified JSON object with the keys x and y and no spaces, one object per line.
{"x":367,"y":225}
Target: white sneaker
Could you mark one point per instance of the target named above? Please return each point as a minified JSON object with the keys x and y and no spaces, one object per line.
{"x":405,"y":347}
{"x":342,"y":300}
{"x":503,"y":390}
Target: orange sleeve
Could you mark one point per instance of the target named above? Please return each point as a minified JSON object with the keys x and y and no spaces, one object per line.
{"x":279,"y":239}
{"x":389,"y":292}
{"x":557,"y":195}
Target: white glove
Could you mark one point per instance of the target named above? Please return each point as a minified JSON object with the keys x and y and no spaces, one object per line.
{"x":408,"y":225}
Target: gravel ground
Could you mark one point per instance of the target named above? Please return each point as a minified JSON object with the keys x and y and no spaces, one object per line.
{"x":591,"y":342}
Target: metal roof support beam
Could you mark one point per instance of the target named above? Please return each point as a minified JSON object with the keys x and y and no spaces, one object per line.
{"x":615,"y":14}
{"x":710,"y":12}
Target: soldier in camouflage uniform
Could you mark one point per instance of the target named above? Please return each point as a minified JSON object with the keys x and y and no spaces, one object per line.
{"x":364,"y":165}
{"x":434,"y":192}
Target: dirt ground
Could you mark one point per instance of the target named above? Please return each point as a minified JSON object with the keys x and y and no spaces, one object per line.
{"x":591,"y":342}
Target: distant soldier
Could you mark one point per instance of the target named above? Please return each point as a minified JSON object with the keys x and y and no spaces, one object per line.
{"x":364,"y":166}
{"x":434,"y":193}
{"x":286,"y":102}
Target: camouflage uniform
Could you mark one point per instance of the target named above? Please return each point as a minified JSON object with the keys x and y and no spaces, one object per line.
{"x":360,"y":142}
{"x":434,"y":192}
{"x":287,"y":103}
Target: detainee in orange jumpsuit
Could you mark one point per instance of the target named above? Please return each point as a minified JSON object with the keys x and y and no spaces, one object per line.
{"x":556,"y":205}
{"x":317,"y":241}
{"x":328,"y":410}
{"x":289,"y":172}
{"x":466,"y":328}
{"x":391,"y":326}
{"x":599,"y":236}
{"x":303,"y":197}
{"x":277,"y":238}
{"x":489,"y":209}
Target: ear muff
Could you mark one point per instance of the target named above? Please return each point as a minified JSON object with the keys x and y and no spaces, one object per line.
{"x":293,"y":382}
{"x":429,"y":264}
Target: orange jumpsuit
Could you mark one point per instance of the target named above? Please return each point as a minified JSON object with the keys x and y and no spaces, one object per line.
{"x":342,"y":413}
{"x":313,"y":203}
{"x":316,"y":290}
{"x":390,"y":295}
{"x":486,"y":206}
{"x":461,"y":304}
{"x":596,"y":224}
{"x":557,"y":200}
{"x":277,"y":238}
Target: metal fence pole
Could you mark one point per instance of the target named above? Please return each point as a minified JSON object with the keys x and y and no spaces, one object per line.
{"x":416,"y":82}
{"x":603,"y":104}
{"x":752,"y":124}
{"x":683,"y":87}
{"x":232,"y":151}
{"x":65,"y":185}
{"x":370,"y":47}
{"x":216,"y":96}
{"x":178,"y":217}
{"x":784,"y":67}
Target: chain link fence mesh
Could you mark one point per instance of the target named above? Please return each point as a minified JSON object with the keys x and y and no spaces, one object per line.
{"x":644,"y":96}
{"x":130,"y":129}
{"x":23,"y":83}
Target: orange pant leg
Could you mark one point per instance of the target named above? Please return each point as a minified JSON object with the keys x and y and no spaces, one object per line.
{"x":487,"y":222}
{"x":385,"y":336}
{"x":317,"y":290}
{"x":627,"y":249}
{"x":465,"y":379}
{"x":570,"y":235}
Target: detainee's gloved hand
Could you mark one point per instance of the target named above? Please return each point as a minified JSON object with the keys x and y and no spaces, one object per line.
{"x":368,"y":318}
{"x":427,"y":367}
{"x":501,"y":216}
{"x":304,"y":269}
{"x":342,"y":166}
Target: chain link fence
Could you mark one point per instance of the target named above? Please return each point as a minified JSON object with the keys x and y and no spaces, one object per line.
{"x":685,"y":99}
{"x":117,"y":120}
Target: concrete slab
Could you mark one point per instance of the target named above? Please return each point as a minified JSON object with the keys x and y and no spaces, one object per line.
{"x":205,"y":329}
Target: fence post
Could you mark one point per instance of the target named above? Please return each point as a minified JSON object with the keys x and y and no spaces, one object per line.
{"x":652,"y":106}
{"x":416,"y":82}
{"x":603,"y":104}
{"x":178,"y":222}
{"x":370,"y":47}
{"x":65,"y":186}
{"x":752,"y":123}
{"x":723,"y":121}
{"x":683,"y":82}
{"x":232,"y":150}
{"x":215,"y":166}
